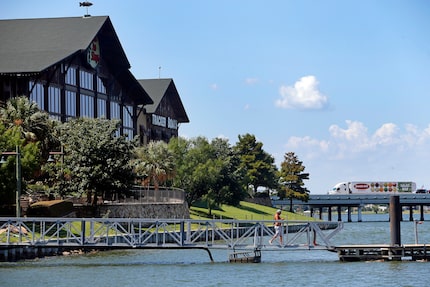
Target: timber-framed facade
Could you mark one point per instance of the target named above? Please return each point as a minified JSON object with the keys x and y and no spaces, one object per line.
{"x":161,"y":120}
{"x":76,"y":67}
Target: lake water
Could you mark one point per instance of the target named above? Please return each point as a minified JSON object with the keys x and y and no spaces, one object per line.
{"x":193,"y":267}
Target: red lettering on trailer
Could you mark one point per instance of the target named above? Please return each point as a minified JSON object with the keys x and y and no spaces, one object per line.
{"x":361,"y":186}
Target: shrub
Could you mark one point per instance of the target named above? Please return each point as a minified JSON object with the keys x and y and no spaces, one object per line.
{"x":51,"y":208}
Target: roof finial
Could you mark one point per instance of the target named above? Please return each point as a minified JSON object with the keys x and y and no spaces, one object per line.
{"x":86,"y":4}
{"x":159,"y":72}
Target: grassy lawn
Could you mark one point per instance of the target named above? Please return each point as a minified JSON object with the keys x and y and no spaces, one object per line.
{"x":245,"y":211}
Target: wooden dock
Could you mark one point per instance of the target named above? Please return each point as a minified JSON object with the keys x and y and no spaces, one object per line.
{"x":382,"y":252}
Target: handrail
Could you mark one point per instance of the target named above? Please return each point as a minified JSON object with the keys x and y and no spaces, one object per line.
{"x":146,"y":233}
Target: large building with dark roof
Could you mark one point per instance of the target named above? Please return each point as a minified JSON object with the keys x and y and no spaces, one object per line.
{"x":161,"y":119}
{"x":76,"y":67}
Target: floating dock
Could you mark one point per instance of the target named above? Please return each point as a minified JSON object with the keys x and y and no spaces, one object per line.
{"x":246,"y":257}
{"x":382,"y":252}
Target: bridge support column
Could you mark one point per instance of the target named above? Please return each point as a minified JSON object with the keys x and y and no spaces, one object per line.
{"x":321,"y":212}
{"x":312,"y":212}
{"x":349,"y":214}
{"x":339,"y":213}
{"x":360,"y":219}
{"x":411,"y":213}
{"x":329,"y":213}
{"x":421,"y":212}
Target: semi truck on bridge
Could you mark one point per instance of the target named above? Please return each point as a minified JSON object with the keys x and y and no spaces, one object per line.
{"x":366,"y":187}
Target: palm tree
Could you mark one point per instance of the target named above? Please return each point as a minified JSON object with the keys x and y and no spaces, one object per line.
{"x":35,"y":124}
{"x":154,"y":163}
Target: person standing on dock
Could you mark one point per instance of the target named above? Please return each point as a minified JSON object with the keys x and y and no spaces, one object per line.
{"x":278,"y":227}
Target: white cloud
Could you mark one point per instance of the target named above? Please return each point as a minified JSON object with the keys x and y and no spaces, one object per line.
{"x":313,"y":146}
{"x":356,"y":141}
{"x":355,"y":152}
{"x":353,"y":138}
{"x":224,"y":137}
{"x":414,"y":135}
{"x":386,"y":134}
{"x":354,"y":131}
{"x":214,"y":87}
{"x":303,"y":95}
{"x":251,"y":81}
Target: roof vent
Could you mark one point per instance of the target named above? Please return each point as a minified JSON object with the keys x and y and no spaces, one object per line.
{"x":86,"y":4}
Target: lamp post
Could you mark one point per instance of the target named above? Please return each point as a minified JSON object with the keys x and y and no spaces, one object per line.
{"x":61,"y":152}
{"x":17,"y":154}
{"x":51,"y":159}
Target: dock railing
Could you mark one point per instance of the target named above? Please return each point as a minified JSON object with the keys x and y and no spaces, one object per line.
{"x":105,"y":233}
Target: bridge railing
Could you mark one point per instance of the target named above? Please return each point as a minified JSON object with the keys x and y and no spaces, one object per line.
{"x":150,"y":233}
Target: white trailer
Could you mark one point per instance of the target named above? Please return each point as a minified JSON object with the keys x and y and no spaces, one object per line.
{"x":365,"y":187}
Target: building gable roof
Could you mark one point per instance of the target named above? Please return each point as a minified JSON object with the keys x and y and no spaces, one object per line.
{"x":32,"y":45}
{"x":157,"y":89}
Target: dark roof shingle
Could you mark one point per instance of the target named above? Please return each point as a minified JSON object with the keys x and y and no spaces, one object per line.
{"x":32,"y":45}
{"x":157,"y":89}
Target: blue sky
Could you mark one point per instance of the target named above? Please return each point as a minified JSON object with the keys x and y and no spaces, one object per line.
{"x":343,"y":84}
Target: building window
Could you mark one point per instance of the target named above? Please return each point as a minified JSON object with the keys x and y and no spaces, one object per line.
{"x":127,"y":116}
{"x":115,"y":111}
{"x":101,"y":108}
{"x":127,"y":121}
{"x":71,"y":76}
{"x":115,"y":114}
{"x":86,"y":80}
{"x":100,"y":86}
{"x":87,"y":106}
{"x":70,"y":104}
{"x":37,"y":94}
{"x":54,"y":100}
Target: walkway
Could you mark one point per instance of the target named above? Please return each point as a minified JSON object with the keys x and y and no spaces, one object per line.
{"x":135,"y":233}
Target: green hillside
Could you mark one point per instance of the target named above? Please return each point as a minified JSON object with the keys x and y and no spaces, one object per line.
{"x":245,"y":211}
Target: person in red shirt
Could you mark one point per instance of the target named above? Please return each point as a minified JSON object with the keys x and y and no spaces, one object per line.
{"x":278,"y":227}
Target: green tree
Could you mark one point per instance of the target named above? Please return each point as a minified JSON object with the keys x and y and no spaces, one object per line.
{"x":34,"y":124}
{"x":96,"y":160}
{"x":291,"y":178}
{"x":9,"y":139}
{"x":192,"y":170}
{"x":207,"y":170}
{"x":258,"y":164}
{"x":154,"y":163}
{"x":179,"y":148}
{"x":230,"y":175}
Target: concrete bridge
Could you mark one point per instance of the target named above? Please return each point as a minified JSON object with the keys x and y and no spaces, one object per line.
{"x":349,"y":201}
{"x":30,"y":237}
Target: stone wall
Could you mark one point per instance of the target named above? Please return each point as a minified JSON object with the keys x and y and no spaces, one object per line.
{"x":143,"y":210}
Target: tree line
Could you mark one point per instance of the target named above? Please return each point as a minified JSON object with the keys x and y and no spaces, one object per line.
{"x":93,"y":161}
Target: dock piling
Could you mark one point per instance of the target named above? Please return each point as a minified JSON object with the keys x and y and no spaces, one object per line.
{"x":395,"y":218}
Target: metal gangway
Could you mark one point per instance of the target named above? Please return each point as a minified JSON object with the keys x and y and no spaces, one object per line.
{"x":139,"y":233}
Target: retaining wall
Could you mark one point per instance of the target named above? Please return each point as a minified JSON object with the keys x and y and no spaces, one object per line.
{"x":142,"y":210}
